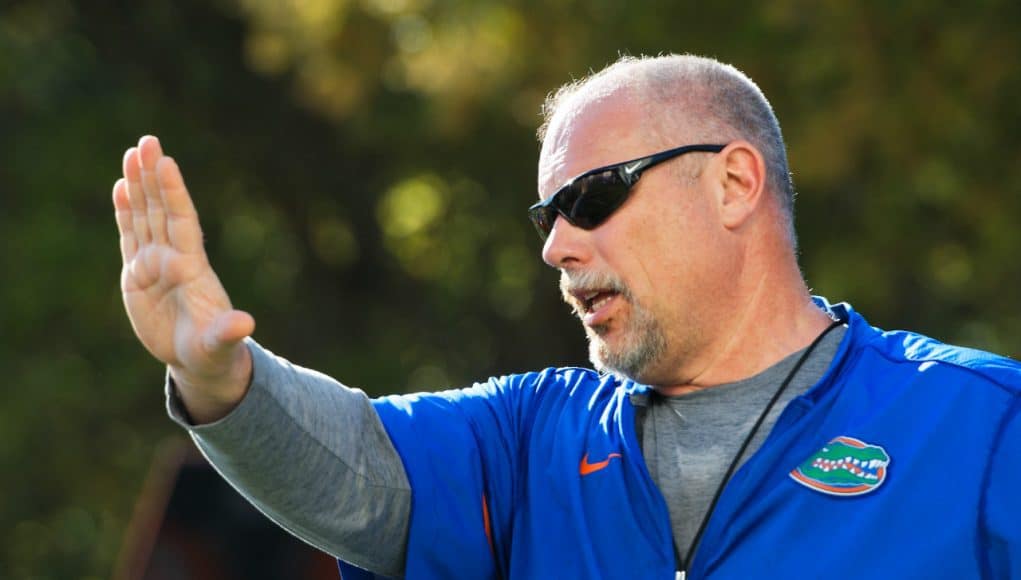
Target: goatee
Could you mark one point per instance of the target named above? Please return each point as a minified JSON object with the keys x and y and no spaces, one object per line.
{"x":641,"y":341}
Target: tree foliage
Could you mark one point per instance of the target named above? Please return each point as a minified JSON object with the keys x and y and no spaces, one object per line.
{"x":362,"y":167}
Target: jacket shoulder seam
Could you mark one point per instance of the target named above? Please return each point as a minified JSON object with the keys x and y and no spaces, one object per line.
{"x":901,"y":358}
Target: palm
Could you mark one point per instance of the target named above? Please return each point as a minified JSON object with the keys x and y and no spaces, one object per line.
{"x":176,"y":304}
{"x":172,"y":299}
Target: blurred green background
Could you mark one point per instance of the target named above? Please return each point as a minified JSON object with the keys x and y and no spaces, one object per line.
{"x":362,"y":168}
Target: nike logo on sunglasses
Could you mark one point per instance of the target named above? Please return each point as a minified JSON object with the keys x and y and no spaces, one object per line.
{"x":629,"y":169}
{"x":589,"y":199}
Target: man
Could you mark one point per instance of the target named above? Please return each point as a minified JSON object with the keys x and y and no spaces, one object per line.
{"x":738,"y":428}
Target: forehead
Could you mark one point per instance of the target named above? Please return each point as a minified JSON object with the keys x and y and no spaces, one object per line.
{"x":590,"y":131}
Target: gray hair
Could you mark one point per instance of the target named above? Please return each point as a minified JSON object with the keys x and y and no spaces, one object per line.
{"x":713,"y":99}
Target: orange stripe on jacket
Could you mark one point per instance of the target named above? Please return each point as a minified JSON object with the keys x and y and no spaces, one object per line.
{"x":485,"y":521}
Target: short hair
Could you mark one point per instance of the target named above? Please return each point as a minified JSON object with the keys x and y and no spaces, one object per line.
{"x":715,"y":99}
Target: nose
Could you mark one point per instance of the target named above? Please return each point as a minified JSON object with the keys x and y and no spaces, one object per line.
{"x":566,"y":245}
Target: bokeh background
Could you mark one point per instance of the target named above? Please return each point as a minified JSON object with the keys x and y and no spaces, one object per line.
{"x":362,"y":168}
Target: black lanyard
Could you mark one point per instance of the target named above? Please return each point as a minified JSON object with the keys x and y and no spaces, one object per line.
{"x":684,"y":563}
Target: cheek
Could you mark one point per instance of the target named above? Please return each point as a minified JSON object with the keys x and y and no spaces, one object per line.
{"x":678,"y":260}
{"x":651,"y":256}
{"x":661,"y":246}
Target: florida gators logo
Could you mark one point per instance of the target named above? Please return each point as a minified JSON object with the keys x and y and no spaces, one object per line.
{"x":845,"y":466}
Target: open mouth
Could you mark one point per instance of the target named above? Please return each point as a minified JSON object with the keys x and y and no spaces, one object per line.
{"x":593,"y":306}
{"x":854,"y":468}
{"x":593,"y":295}
{"x":592,"y":300}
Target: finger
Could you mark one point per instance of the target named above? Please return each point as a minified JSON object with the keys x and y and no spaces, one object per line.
{"x":149,"y":152}
{"x":133,"y":178}
{"x":122,"y":212}
{"x":183,"y":227}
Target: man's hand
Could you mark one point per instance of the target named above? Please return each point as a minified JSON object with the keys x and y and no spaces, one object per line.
{"x":177,"y":306}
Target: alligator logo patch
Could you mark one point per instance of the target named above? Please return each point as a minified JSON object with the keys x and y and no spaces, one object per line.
{"x":845,"y":466}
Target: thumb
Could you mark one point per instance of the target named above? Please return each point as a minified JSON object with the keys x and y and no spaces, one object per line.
{"x":228,"y":329}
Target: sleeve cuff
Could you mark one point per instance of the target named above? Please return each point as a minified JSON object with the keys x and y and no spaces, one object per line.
{"x":179,"y":414}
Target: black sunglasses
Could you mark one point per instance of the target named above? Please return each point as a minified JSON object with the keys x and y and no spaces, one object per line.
{"x":590,"y":199}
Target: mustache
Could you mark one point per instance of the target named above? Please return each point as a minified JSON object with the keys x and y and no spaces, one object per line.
{"x":574,"y":281}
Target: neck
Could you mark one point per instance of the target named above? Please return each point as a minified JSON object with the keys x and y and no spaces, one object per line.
{"x":773,"y":319}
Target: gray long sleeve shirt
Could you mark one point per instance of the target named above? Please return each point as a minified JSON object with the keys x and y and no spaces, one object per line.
{"x":313,"y":456}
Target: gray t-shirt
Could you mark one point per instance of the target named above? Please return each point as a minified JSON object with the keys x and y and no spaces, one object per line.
{"x":689,"y":441}
{"x":314,"y":457}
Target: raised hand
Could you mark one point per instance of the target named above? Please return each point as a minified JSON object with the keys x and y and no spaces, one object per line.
{"x":176,"y":303}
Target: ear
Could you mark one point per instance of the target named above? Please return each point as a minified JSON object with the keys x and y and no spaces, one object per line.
{"x":742,"y":184}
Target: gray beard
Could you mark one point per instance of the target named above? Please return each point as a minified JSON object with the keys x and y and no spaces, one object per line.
{"x":644,"y":344}
{"x":644,"y":341}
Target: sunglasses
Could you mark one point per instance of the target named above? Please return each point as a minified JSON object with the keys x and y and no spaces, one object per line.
{"x":590,"y":199}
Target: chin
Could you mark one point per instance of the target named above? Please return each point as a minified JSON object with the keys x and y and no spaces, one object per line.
{"x":630,"y":347}
{"x":632,"y":361}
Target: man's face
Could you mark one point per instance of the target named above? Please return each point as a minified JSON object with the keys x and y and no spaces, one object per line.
{"x":642,"y":282}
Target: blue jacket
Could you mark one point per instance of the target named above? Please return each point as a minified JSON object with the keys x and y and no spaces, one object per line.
{"x":541,"y":475}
